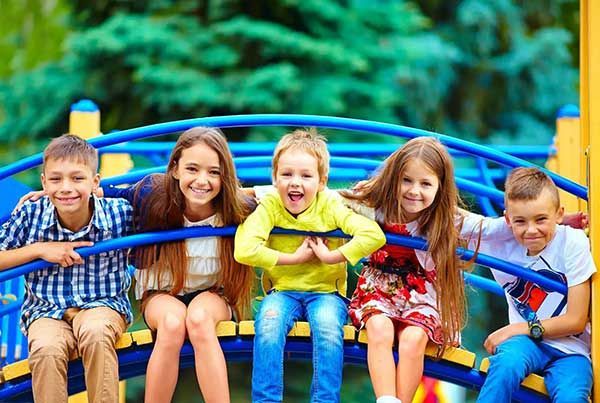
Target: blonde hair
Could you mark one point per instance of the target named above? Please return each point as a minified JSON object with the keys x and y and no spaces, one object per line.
{"x":308,"y":141}
{"x":524,"y":184}
{"x":436,"y":222}
{"x":70,"y":147}
{"x":164,"y":208}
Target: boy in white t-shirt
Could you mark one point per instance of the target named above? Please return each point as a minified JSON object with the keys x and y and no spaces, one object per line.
{"x":545,"y":334}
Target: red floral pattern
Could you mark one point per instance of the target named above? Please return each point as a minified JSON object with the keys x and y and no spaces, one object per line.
{"x":408,"y":298}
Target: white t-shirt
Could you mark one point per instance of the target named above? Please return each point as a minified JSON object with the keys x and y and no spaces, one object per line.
{"x":203,"y":264}
{"x":566,"y":259}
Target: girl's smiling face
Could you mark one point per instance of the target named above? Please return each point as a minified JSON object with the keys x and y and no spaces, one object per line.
{"x":198,"y":171}
{"x":418,"y":188}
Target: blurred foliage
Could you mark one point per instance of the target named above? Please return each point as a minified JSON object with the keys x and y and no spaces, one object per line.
{"x":476,"y":69}
{"x":492,"y":71}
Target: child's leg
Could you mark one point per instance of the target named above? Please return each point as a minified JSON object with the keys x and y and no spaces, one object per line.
{"x":515,"y":358}
{"x":327,"y":314}
{"x":204,"y":312}
{"x":96,"y":331}
{"x":274,"y":320}
{"x":569,"y":378}
{"x":166,"y":315}
{"x":412,"y":341}
{"x":51,"y":344}
{"x":380,"y":358}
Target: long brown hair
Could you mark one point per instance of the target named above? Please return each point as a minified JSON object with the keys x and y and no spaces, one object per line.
{"x":164,"y":206}
{"x":436,"y":222}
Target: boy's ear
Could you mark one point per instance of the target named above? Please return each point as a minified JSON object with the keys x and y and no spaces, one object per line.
{"x":506,"y":218}
{"x":43,"y":180}
{"x":322,"y":183}
{"x":560,"y":213}
{"x":95,"y":183}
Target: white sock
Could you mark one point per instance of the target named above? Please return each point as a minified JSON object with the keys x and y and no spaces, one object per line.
{"x":388,"y":399}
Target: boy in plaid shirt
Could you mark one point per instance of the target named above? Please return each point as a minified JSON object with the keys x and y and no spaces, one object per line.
{"x":78,"y":306}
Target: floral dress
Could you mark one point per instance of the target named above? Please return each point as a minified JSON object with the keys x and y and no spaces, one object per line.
{"x":394,"y":283}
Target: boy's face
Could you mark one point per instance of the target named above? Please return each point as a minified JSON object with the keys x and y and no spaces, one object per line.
{"x":69,"y":185}
{"x":297,"y":180}
{"x":198,"y":171}
{"x":533,"y":222}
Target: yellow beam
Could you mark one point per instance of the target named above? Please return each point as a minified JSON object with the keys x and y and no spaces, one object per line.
{"x":590,"y":140}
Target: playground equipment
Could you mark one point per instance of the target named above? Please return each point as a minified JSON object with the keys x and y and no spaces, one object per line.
{"x":135,"y":349}
{"x":456,"y":366}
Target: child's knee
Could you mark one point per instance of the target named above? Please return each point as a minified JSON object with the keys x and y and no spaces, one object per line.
{"x":199,"y":324}
{"x":97,"y":330}
{"x":413,"y":341}
{"x":380,"y":331}
{"x":48,"y":347}
{"x":171,"y":330}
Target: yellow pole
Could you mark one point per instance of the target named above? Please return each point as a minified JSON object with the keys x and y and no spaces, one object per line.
{"x":84,"y":121}
{"x":590,"y":141}
{"x":568,"y":149}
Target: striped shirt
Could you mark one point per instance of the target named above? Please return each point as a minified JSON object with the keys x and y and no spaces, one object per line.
{"x":102,"y":280}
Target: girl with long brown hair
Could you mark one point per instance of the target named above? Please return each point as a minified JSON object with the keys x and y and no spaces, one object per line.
{"x":188,"y":287}
{"x":410,"y":296}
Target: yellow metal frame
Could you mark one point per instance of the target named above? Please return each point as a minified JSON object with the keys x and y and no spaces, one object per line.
{"x":590,"y":141}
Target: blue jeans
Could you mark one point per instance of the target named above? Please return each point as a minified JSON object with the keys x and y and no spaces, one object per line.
{"x":568,"y":377}
{"x":327,"y":315}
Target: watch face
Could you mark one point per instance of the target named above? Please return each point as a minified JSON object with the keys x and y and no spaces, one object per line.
{"x":536,"y":331}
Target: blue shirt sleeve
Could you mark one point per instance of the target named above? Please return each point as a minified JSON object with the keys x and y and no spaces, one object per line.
{"x":142,"y":189}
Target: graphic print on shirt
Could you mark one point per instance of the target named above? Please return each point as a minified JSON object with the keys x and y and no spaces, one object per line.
{"x":545,"y":303}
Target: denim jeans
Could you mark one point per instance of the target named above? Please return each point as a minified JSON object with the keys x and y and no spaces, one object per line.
{"x":327,"y":315}
{"x":568,"y":377}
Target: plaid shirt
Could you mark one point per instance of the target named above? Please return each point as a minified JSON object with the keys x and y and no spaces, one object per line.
{"x":102,"y":280}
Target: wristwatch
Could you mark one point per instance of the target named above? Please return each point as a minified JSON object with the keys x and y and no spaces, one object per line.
{"x":536,"y":330}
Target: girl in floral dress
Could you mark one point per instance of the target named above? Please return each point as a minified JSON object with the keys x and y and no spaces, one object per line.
{"x":402,"y":294}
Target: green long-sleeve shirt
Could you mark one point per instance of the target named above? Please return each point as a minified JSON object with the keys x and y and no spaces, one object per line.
{"x":255,"y":246}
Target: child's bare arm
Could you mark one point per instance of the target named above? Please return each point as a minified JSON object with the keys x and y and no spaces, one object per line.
{"x":571,"y":322}
{"x":62,"y":253}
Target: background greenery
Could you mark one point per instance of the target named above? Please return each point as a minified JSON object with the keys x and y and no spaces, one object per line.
{"x":493,"y":71}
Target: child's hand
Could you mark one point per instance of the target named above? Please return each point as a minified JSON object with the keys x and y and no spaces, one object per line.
{"x":319,"y":246}
{"x":62,"y":253}
{"x":498,"y":337}
{"x":304,"y":253}
{"x":577,"y":220}
{"x":33,"y":196}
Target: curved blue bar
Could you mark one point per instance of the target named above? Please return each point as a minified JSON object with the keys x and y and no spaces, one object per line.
{"x":304,"y":120}
{"x":336,"y":162}
{"x":194,"y":232}
{"x":483,"y":283}
{"x":339,"y":149}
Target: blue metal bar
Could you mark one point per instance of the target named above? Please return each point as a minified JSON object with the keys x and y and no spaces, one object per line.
{"x":194,"y":232}
{"x":339,"y":149}
{"x":484,"y":202}
{"x":483,"y":283}
{"x":304,"y":120}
